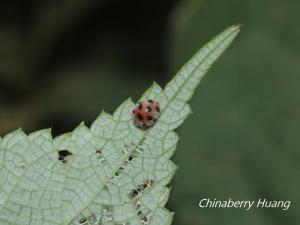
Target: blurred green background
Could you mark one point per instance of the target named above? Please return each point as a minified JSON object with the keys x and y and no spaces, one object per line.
{"x":62,"y":62}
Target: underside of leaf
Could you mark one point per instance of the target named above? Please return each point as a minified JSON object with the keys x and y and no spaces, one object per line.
{"x":110,"y":173}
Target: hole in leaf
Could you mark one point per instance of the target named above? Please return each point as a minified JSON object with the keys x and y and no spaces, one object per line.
{"x":140,"y":189}
{"x":121,"y":168}
{"x":133,"y":194}
{"x":139,"y":213}
{"x":91,"y":219}
{"x":99,"y":153}
{"x":83,"y":221}
{"x":144,"y":219}
{"x":138,"y":205}
{"x":63,"y":155}
{"x":107,"y":214}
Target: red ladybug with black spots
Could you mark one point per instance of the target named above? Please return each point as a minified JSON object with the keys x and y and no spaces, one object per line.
{"x":145,"y":114}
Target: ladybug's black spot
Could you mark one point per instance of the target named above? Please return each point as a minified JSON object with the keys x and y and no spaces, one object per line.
{"x":150,"y":117}
{"x":63,"y":154}
{"x":149,"y":109}
{"x":140,"y":117}
{"x":150,"y":101}
{"x":157,"y":109}
{"x":140,"y":106}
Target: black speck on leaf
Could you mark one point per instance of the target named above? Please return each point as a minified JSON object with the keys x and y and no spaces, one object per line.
{"x":63,"y":154}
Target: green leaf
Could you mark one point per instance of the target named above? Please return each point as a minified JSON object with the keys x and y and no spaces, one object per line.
{"x":111,"y":173}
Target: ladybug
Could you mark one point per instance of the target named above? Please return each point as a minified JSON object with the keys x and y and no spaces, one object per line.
{"x":145,"y":114}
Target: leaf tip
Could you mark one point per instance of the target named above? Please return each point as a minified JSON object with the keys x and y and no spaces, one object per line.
{"x":239,"y":25}
{"x":236,"y":28}
{"x":129,"y":99}
{"x":155,"y":83}
{"x":20,"y":130}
